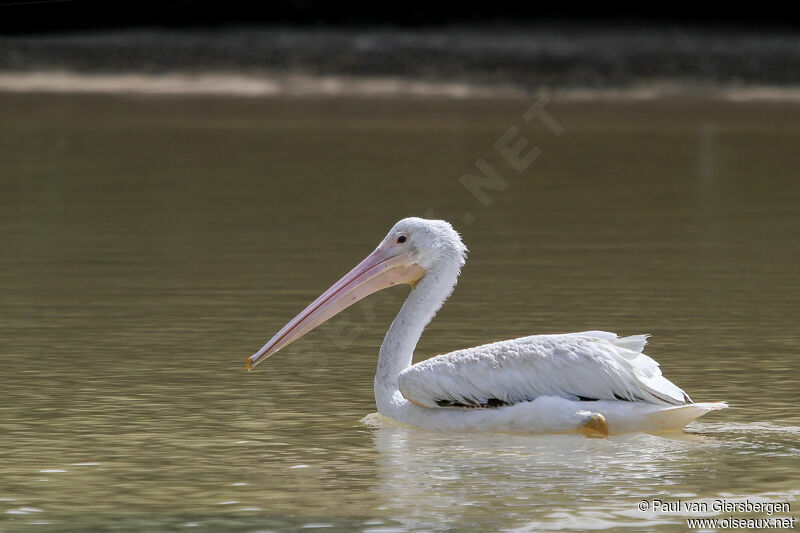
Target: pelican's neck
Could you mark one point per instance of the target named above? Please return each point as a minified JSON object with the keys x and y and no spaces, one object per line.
{"x":419,"y":308}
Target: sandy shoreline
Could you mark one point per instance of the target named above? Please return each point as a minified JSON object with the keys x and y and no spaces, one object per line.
{"x":226,"y":84}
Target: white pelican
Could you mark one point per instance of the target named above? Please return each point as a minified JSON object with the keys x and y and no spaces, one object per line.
{"x":592,"y":382}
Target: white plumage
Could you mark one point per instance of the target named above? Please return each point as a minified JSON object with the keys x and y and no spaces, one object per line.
{"x":593,"y":381}
{"x":591,"y":365}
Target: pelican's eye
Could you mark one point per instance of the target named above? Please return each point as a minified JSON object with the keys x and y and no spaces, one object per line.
{"x":401,"y":239}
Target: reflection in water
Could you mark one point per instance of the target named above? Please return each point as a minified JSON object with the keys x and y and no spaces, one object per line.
{"x":149,"y":245}
{"x":542,"y":482}
{"x":421,"y":475}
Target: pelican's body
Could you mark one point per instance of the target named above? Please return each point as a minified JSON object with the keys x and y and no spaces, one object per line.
{"x":593,"y":382}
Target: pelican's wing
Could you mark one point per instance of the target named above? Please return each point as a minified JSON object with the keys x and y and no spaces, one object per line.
{"x":592,"y":365}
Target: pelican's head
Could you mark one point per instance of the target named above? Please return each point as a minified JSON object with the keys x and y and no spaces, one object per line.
{"x":429,"y":243}
{"x":412,"y":248}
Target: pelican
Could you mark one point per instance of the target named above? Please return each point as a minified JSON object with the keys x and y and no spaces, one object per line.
{"x":592,"y":382}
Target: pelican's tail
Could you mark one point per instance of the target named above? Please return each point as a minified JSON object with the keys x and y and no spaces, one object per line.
{"x":674,"y":418}
{"x":627,"y":417}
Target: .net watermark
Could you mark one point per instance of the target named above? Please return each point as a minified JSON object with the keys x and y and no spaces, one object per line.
{"x":732,"y":522}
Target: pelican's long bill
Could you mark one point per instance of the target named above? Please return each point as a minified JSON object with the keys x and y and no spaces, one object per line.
{"x":385,"y":267}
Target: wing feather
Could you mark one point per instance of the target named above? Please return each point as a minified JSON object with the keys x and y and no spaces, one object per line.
{"x":591,"y":365}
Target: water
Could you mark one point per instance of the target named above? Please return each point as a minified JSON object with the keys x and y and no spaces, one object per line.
{"x":151,"y":244}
